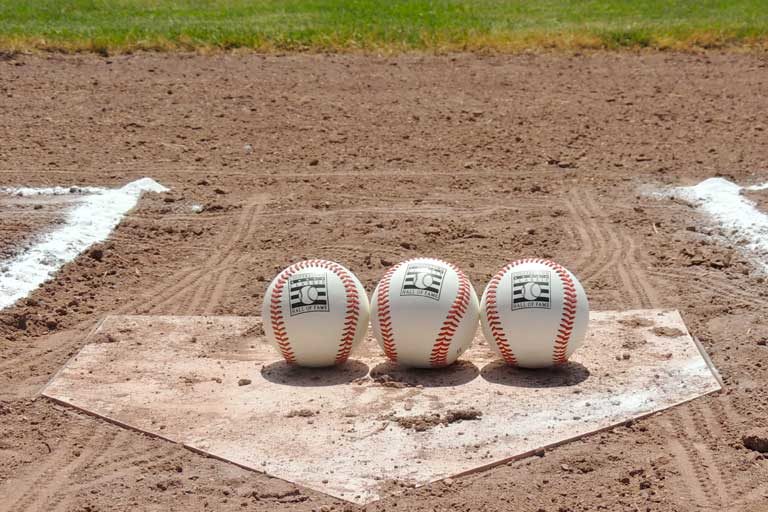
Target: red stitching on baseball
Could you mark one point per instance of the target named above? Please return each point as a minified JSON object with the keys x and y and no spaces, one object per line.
{"x":494,"y":320}
{"x":350,"y":317}
{"x":276,"y":313}
{"x":384,"y":315}
{"x":439,"y":355}
{"x":567,"y":317}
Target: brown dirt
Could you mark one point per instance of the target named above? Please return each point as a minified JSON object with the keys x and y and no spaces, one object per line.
{"x":636,"y":322}
{"x":760,"y":197}
{"x":756,"y":440}
{"x":669,"y":332}
{"x":22,"y":217}
{"x":366,"y":160}
{"x":422,"y":422}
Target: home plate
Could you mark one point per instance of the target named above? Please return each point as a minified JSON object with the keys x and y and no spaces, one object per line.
{"x":216,"y":386}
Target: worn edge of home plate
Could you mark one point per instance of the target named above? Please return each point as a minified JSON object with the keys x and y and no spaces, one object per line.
{"x":708,"y":360}
{"x":704,"y":355}
{"x":529,"y":453}
{"x":473,"y":470}
{"x":86,"y":340}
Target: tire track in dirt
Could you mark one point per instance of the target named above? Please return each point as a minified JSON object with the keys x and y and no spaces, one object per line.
{"x":609,"y":251}
{"x":26,"y":486}
{"x":187,"y":279}
{"x":720,"y":286}
{"x":119,"y":467}
{"x":225,"y":268}
{"x":188,"y":297}
{"x":166,"y":292}
{"x":649,"y":298}
{"x":710,"y":411}
{"x":624,"y":247}
{"x":196,"y":300}
{"x":692,"y":487}
{"x":427,"y":211}
{"x":61,"y":485}
{"x":46,"y":489}
{"x":49,"y":487}
{"x":630,"y":264}
{"x":592,"y":250}
{"x":703,"y":427}
{"x":613,"y":250}
{"x":710,"y":436}
{"x":572,"y":233}
{"x":594,"y":253}
{"x":753,"y":484}
{"x":55,"y":347}
{"x":619,"y":261}
{"x":695,"y":484}
{"x":695,"y":460}
{"x":198,"y":282}
{"x":218,"y":292}
{"x":126,"y":445}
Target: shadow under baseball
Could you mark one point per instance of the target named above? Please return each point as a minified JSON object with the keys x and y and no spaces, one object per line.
{"x":569,"y":374}
{"x":281,"y":372}
{"x":460,"y":372}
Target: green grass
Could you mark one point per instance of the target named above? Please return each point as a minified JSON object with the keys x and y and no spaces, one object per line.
{"x":384,"y":25}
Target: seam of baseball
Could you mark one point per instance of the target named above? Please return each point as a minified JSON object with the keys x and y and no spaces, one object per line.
{"x":568,"y":315}
{"x":276,"y":313}
{"x":352,"y":314}
{"x":384,"y":313}
{"x":493,"y":318}
{"x":439,"y":355}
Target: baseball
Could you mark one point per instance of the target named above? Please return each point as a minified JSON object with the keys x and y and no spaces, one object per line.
{"x":424,"y":313}
{"x":534,"y":313}
{"x":315,"y":312}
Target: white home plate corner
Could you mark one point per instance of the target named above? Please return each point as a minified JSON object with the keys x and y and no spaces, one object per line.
{"x":350,"y":432}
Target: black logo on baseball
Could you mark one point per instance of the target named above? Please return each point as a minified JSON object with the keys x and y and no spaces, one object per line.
{"x":309,"y":292}
{"x":531,"y":289}
{"x":423,"y":280}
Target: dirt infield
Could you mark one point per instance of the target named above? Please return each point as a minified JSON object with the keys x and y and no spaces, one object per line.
{"x":366,"y":161}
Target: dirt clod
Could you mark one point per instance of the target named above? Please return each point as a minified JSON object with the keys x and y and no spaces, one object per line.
{"x":756,"y":440}
{"x":388,"y":381}
{"x":635,"y":322}
{"x":96,"y":253}
{"x":104,"y":338}
{"x":424,"y":422}
{"x":301,"y":413}
{"x":668,"y":332}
